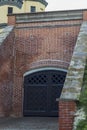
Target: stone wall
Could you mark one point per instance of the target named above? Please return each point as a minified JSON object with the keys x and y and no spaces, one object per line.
{"x":74,"y":79}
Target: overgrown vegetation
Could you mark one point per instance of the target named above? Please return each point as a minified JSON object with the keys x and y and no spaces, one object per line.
{"x":82,"y":125}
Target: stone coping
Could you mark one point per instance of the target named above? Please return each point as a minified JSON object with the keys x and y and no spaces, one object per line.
{"x":48,"y":16}
{"x":4,"y":33}
{"x":74,"y":79}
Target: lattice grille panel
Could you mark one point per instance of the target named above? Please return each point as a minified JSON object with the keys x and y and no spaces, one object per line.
{"x":58,"y":78}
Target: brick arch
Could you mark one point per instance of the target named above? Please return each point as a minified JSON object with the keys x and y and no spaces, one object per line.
{"x":49,"y":63}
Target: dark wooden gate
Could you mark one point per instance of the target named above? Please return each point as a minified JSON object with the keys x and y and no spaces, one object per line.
{"x":40,"y":92}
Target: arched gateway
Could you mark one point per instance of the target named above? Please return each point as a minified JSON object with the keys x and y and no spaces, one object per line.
{"x":41,"y":88}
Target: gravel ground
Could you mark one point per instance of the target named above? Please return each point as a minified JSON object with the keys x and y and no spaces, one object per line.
{"x":29,"y":123}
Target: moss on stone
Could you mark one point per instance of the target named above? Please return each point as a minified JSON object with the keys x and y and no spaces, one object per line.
{"x":83,"y":102}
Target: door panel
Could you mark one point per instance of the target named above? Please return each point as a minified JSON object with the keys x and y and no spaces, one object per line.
{"x":40,"y":92}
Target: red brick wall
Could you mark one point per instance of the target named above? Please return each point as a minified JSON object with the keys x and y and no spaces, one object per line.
{"x":11,"y":19}
{"x":6,"y":75}
{"x":30,"y":46}
{"x":55,"y":43}
{"x":37,"y":47}
{"x":85,"y":15}
{"x":66,"y":114}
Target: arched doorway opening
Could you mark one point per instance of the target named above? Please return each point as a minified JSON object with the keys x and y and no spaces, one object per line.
{"x":41,"y":88}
